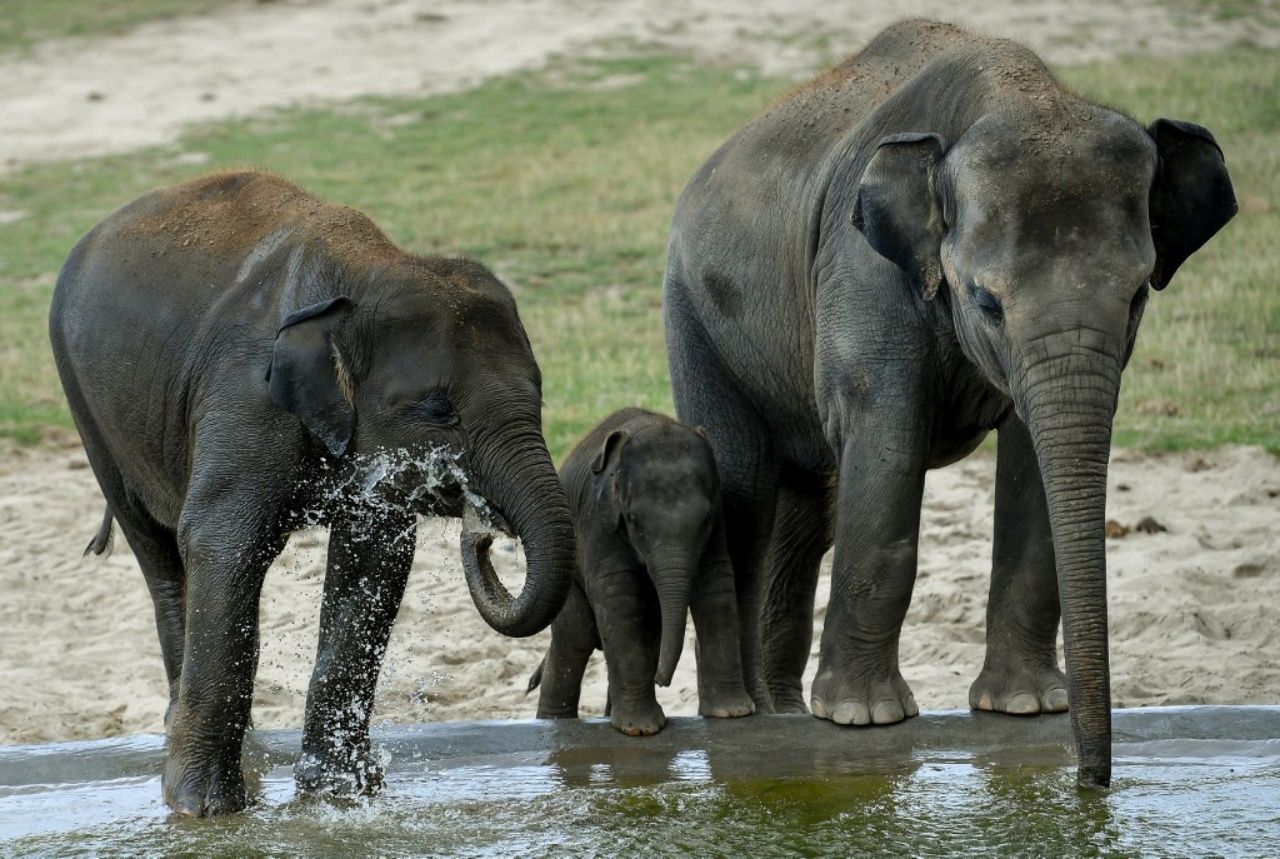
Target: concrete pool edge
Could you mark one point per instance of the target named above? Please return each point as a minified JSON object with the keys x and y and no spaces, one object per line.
{"x":446,"y":744}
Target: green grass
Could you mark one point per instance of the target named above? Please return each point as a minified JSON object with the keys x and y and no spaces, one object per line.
{"x":566,"y":189}
{"x":23,"y":23}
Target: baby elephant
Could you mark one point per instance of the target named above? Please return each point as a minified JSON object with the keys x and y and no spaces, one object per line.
{"x":645,"y":499}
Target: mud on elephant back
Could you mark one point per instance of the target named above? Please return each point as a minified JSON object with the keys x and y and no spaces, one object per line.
{"x":242,"y":360}
{"x":933,"y":240}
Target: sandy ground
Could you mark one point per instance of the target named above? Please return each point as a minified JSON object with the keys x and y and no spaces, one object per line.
{"x":80,"y":97}
{"x":1194,"y":609}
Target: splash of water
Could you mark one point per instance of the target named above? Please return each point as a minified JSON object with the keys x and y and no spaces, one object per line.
{"x":369,"y":486}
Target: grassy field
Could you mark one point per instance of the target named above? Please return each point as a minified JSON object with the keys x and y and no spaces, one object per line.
{"x":24,"y":23}
{"x":564,"y":182}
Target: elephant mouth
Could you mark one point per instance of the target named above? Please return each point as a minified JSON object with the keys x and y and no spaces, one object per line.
{"x":481,"y":518}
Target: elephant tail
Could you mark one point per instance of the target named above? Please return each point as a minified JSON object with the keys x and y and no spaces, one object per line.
{"x":535,"y":679}
{"x":104,"y":541}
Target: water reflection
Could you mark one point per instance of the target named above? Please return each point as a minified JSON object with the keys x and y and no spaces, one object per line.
{"x":693,"y":792}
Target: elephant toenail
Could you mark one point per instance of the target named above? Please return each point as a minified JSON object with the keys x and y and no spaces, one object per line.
{"x":984,"y":703}
{"x":887,"y":712}
{"x":1055,"y":701}
{"x":819,"y":709}
{"x":1023,"y":704}
{"x":852,"y":714}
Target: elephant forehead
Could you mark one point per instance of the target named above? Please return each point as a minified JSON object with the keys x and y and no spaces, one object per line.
{"x":1030,"y":162}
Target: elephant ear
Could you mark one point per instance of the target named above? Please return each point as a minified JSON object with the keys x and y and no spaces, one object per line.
{"x":612,"y":444}
{"x":307,"y":377}
{"x":898,"y":210}
{"x":1191,"y":198}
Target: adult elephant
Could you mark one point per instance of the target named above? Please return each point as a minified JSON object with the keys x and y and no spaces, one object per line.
{"x":242,"y":360}
{"x":930,"y":241}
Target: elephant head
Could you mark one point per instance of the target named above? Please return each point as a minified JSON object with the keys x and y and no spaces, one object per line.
{"x":662,"y":489}
{"x":430,"y":356}
{"x":1042,"y":237}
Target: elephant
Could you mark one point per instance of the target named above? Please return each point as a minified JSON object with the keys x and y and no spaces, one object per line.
{"x":645,"y":499}
{"x":933,"y":240}
{"x":242,"y":360}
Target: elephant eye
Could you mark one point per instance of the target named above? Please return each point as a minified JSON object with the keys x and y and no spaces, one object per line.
{"x":1139,"y":299}
{"x":988,"y":304}
{"x":435,"y":408}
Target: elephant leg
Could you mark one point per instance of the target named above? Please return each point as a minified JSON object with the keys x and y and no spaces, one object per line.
{"x":722,"y":693}
{"x":801,"y":536}
{"x":630,"y":623}
{"x":156,"y":549}
{"x":154,"y":546}
{"x":574,"y":638}
{"x":227,"y":541}
{"x":364,"y":582}
{"x":1021,"y":674}
{"x":748,"y":518}
{"x":877,"y":533}
{"x":705,"y":394}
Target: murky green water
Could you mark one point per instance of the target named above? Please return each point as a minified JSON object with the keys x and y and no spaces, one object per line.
{"x":1171,"y":797}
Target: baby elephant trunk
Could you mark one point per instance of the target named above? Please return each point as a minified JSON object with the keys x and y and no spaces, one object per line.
{"x":673,"y":577}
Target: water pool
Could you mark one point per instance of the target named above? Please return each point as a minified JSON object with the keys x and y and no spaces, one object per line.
{"x":1188,"y":781}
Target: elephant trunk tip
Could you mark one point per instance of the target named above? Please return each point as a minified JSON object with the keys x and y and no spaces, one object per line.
{"x":1094,"y":772}
{"x":663,"y":676}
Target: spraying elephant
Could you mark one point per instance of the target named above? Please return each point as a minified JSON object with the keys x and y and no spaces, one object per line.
{"x":933,"y":240}
{"x":242,"y":360}
{"x":645,"y":499}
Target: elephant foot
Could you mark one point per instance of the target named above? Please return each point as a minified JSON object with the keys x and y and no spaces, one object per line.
{"x":349,"y":773}
{"x":789,"y":700}
{"x":1019,"y":689}
{"x":643,"y":720}
{"x":725,"y":705}
{"x":859,"y":701}
{"x":197,"y":787}
{"x":557,"y":714}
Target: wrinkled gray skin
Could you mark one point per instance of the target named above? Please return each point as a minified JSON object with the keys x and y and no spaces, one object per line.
{"x":645,"y":499}
{"x":929,"y":242}
{"x":233,"y":351}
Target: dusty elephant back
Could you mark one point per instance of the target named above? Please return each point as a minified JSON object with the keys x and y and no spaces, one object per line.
{"x":231,"y":213}
{"x":163,"y":292}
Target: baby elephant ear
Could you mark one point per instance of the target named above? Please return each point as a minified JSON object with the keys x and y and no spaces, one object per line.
{"x":1191,"y":198}
{"x":307,"y":377}
{"x":611,"y":445}
{"x":898,"y":209}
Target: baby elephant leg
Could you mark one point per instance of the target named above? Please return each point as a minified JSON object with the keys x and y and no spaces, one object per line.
{"x":630,"y":633}
{"x":573,"y":639}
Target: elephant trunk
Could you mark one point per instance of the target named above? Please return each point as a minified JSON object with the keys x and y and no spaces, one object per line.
{"x":1068,"y":403}
{"x":673,"y":578}
{"x":514,"y":473}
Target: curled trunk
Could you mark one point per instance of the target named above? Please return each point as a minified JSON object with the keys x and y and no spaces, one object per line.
{"x":514,"y":473}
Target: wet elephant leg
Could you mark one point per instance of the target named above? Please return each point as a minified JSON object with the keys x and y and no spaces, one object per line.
{"x":226,"y":548}
{"x":1021,"y":674}
{"x":873,"y":572}
{"x":156,"y":549}
{"x":801,"y":536}
{"x":722,"y":692}
{"x":368,"y":568}
{"x":574,"y":638}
